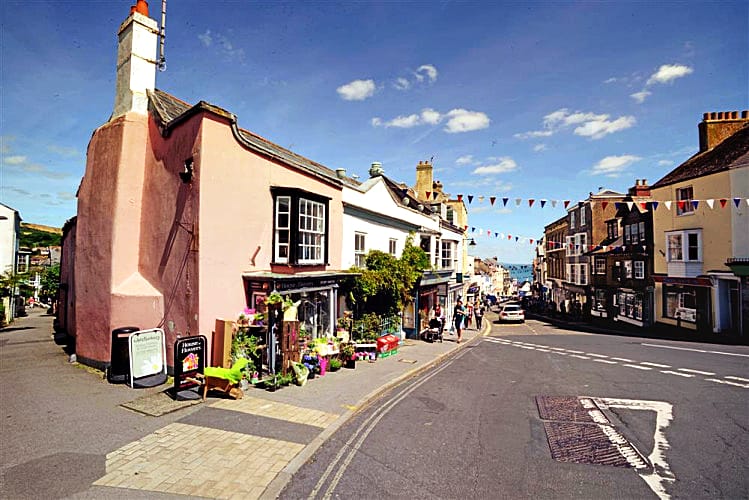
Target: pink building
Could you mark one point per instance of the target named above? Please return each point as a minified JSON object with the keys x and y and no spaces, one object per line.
{"x":184,"y":218}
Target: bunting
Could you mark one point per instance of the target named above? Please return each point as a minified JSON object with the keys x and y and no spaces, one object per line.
{"x":604,"y":204}
{"x":530,"y":202}
{"x":542,"y":202}
{"x":470,"y":198}
{"x":492,"y":199}
{"x":504,"y":201}
{"x":460,"y":198}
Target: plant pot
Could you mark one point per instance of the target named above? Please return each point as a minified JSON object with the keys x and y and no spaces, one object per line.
{"x":350,"y":363}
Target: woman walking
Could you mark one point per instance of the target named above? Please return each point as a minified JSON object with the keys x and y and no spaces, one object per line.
{"x":459,"y":314}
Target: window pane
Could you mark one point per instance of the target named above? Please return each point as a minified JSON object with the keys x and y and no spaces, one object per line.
{"x":674,"y":247}
{"x":694,"y":246}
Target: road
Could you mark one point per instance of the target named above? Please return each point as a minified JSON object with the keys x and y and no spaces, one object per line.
{"x":670,"y":416}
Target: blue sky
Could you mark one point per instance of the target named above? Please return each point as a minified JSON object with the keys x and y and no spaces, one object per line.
{"x":520,"y":100}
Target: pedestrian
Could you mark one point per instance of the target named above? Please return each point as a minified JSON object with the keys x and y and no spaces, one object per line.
{"x":459,"y":313}
{"x":469,"y":315}
{"x":478,"y":311}
{"x":439,"y":314}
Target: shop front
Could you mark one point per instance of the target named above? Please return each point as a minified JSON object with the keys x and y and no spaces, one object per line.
{"x":431,"y":289}
{"x":685,"y":302}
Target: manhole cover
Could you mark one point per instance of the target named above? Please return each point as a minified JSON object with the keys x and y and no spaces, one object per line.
{"x":578,"y":432}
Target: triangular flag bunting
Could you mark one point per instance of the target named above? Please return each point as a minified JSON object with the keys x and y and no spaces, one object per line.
{"x":630,"y":204}
{"x":492,"y":199}
{"x":470,"y":198}
{"x":509,"y":236}
{"x":481,"y":198}
{"x":531,"y":241}
{"x":566,"y":203}
{"x":496,"y":235}
{"x":668,"y":204}
{"x":473,"y":229}
{"x":553,"y":203}
{"x":518,"y":201}
{"x":429,"y":194}
{"x":460,"y":197}
{"x":681,"y":204}
{"x":710,"y":202}
{"x":604,"y":204}
{"x":618,"y":205}
{"x":465,"y":228}
{"x":644,"y":205}
{"x":517,"y":238}
{"x":530,"y":202}
{"x":504,"y":201}
{"x":695,"y":204}
{"x":543,"y":202}
{"x":654,"y":204}
{"x":488,"y":232}
{"x":736,"y":202}
{"x":723,"y":202}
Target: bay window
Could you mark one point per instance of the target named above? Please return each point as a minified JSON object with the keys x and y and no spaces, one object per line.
{"x":300,"y":227}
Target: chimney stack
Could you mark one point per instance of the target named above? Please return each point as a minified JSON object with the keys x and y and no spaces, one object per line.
{"x":136,"y":61}
{"x":717,"y":126}
{"x":424,"y":179}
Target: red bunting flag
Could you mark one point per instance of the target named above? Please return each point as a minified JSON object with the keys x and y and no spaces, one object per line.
{"x":723,"y":202}
{"x":429,"y":194}
{"x":509,"y":236}
{"x":530,"y":202}
{"x":531,"y":241}
{"x":488,"y":232}
{"x":460,"y":197}
{"x":644,"y":205}
{"x":566,"y":203}
{"x":492,"y":199}
{"x":681,"y":204}
{"x":604,"y":204}
{"x":465,"y":228}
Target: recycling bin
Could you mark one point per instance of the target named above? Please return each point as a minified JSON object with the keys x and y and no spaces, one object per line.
{"x":119,"y":365}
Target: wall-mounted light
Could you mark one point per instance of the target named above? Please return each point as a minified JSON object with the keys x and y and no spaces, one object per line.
{"x":472,"y":243}
{"x":186,"y":174}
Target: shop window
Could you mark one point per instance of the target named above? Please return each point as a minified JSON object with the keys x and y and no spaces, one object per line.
{"x":627,"y":265}
{"x":684,"y":201}
{"x":393,"y":246}
{"x":300,"y":227}
{"x":680,"y":303}
{"x":630,"y":305}
{"x":360,"y":250}
{"x":583,"y":274}
{"x":599,"y":300}
{"x":639,"y":270}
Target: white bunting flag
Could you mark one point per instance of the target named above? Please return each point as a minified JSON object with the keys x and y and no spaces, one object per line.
{"x":668,"y":205}
{"x":630,"y":204}
{"x":710,"y":203}
{"x":553,"y":203}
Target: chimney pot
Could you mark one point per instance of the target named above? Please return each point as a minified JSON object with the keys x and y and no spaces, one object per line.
{"x":713,"y":115}
{"x":141,"y":7}
{"x":705,"y":116}
{"x":720,"y":115}
{"x":734,"y":115}
{"x":340,"y":173}
{"x":644,"y":182}
{"x":745,"y":114}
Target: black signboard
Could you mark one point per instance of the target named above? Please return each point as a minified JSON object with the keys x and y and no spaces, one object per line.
{"x":189,"y":360}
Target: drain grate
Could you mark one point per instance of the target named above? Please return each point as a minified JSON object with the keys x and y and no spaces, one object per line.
{"x":577,"y":431}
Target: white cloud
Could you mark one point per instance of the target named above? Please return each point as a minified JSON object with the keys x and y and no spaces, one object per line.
{"x":640,"y":97}
{"x":612,"y":166}
{"x":665,"y":163}
{"x":426,"y":69}
{"x":599,"y":128}
{"x":590,"y":124}
{"x":14,"y":160}
{"x":539,"y":147}
{"x":504,"y":165}
{"x":463,"y":120}
{"x":667,"y":73}
{"x":402,"y":84}
{"x":458,"y":120}
{"x":464,"y":160}
{"x":206,"y":39}
{"x":613,"y":79}
{"x":357,"y":90}
{"x":223,"y":44}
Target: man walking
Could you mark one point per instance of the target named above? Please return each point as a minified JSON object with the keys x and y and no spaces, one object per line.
{"x":478,"y":312}
{"x":459,"y":313}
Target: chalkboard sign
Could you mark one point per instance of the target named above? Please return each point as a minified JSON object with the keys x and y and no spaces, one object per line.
{"x":189,"y":360}
{"x":147,"y":349}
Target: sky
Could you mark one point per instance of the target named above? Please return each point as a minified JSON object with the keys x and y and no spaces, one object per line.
{"x":519,"y":100}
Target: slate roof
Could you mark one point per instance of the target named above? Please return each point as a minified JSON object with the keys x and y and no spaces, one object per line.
{"x":733,"y":152}
{"x":170,"y":111}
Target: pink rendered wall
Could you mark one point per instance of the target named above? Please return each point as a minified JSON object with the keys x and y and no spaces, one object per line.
{"x":236,"y":218}
{"x":66,"y":295}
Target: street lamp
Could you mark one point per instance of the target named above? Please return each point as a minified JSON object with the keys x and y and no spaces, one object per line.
{"x":472,"y":243}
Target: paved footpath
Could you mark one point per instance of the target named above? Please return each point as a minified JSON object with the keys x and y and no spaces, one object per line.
{"x":223,"y":448}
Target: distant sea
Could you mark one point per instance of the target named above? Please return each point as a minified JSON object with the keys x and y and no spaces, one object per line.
{"x":521,"y":272}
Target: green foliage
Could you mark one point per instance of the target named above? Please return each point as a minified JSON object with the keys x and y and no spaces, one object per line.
{"x":50,"y":283}
{"x":387,"y":283}
{"x":32,"y":237}
{"x":10,"y":281}
{"x":334,"y":364}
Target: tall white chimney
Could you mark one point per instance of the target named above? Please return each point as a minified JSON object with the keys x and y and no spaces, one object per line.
{"x":136,"y":61}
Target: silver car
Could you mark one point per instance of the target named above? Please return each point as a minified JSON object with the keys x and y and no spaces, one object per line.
{"x":511,"y":312}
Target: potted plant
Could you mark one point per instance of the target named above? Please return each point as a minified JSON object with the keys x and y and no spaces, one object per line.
{"x":348,"y":354}
{"x":334,"y":364}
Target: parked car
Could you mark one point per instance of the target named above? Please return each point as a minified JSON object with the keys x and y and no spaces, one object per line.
{"x":511,"y":312}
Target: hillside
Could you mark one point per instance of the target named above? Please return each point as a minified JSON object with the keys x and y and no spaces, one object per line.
{"x":37,"y":235}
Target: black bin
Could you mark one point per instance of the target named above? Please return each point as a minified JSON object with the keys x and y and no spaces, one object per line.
{"x":119,"y":366}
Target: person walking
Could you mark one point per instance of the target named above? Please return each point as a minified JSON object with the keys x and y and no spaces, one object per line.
{"x":439,"y":315}
{"x":459,"y":313}
{"x":478,"y":312}
{"x":469,"y":315}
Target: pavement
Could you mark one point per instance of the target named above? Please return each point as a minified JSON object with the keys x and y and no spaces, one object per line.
{"x":221,"y":448}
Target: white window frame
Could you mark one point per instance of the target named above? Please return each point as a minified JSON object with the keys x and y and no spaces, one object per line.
{"x":360,"y":250}
{"x":281,"y":229}
{"x":582,"y":216}
{"x":393,"y":246}
{"x":685,"y":194}
{"x":572,"y":219}
{"x":679,"y":251}
{"x":599,"y":264}
{"x":639,"y":269}
{"x":446,"y":254}
{"x":311,"y":241}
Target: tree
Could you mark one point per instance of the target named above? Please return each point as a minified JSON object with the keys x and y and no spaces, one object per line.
{"x":387,"y":283}
{"x":50,"y":278}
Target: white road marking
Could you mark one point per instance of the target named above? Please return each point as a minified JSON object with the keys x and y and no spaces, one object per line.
{"x":697,"y":350}
{"x":528,"y":347}
{"x":542,"y":350}
{"x":596,"y":355}
{"x":661,"y":474}
{"x":698,"y":372}
{"x":726,"y":382}
{"x":578,"y":356}
{"x":657,"y":365}
{"x":574,"y":352}
{"x":605,"y":361}
{"x":624,"y":360}
{"x":677,"y":373}
{"x":639,"y":367}
{"x":731,"y":377}
{"x":558,"y":348}
{"x":624,"y":447}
